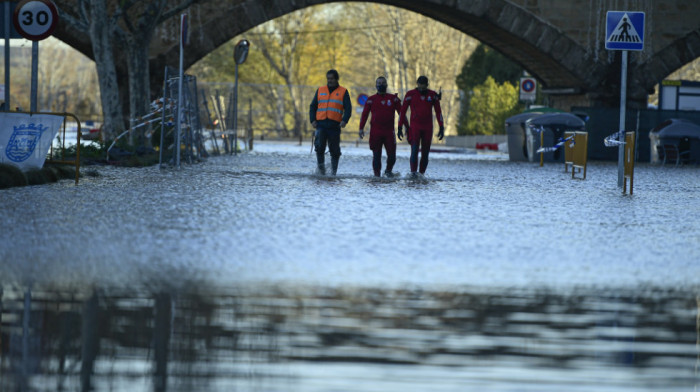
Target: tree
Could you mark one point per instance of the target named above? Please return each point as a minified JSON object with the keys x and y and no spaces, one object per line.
{"x":289,"y":57}
{"x":281,"y":49}
{"x":491,"y":105}
{"x":405,"y":45}
{"x":296,"y":50}
{"x":139,"y":21}
{"x":92,"y":17}
{"x":482,"y":64}
{"x":130,"y":24}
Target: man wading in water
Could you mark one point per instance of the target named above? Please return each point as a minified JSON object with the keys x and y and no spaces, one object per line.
{"x":422,"y":101}
{"x":330,"y":110}
{"x":381,"y":130}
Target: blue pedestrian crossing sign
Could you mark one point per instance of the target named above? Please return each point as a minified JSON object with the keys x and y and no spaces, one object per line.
{"x":624,"y":31}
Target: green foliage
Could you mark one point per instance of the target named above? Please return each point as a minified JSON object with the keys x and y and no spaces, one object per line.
{"x":63,"y":171}
{"x":491,"y":103}
{"x":11,"y":176}
{"x":484,"y":64}
{"x":95,"y":150}
{"x":38,"y":176}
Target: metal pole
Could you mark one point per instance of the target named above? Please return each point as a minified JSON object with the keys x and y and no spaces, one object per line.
{"x":623,"y":109}
{"x":249,"y":132}
{"x":35,"y":72}
{"x":179,"y":97}
{"x":235,"y":114}
{"x":7,"y":55}
{"x":162,"y":120}
{"x":25,"y":336}
{"x":542,"y":146}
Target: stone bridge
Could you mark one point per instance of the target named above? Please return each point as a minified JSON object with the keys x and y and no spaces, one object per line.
{"x":561,"y":43}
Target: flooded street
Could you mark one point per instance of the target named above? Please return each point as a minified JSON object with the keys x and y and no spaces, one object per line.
{"x":251,"y":273}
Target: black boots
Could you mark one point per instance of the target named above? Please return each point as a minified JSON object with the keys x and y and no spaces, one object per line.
{"x":320,"y":160}
{"x":334,"y":165}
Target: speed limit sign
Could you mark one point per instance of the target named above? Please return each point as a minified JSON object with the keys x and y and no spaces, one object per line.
{"x":35,"y":19}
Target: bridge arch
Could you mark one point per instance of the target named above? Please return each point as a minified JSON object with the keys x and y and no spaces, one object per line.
{"x":552,"y":40}
{"x":546,"y":52}
{"x":679,"y":53}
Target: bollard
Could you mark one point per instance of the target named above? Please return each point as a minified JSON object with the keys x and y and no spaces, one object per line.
{"x":569,"y":151}
{"x":580,"y":154}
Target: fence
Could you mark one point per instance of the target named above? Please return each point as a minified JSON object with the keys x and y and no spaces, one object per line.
{"x":604,"y":121}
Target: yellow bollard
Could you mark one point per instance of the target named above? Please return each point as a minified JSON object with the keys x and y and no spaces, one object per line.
{"x":568,"y":151}
{"x":580,"y":158}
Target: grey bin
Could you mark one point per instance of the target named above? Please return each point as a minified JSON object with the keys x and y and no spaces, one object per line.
{"x":554,"y":125}
{"x":533,"y":143}
{"x":516,"y":132}
{"x":682,"y":133}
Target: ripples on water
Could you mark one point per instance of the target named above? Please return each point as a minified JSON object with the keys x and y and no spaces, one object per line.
{"x":257,"y":275}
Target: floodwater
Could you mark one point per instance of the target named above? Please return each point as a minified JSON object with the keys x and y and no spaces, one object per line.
{"x":251,"y":273}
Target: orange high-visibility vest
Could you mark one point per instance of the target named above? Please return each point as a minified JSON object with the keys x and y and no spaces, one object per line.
{"x":330,"y":105}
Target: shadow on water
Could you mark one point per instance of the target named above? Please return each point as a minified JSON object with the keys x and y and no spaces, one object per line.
{"x":319,"y":338}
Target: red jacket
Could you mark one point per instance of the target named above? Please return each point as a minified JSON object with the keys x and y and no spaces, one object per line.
{"x":421,"y":110}
{"x":382,"y":107}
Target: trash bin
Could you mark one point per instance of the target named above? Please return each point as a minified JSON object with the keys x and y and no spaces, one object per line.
{"x":683,"y":134}
{"x":554,"y":125}
{"x":517,"y":136}
{"x":533,"y":143}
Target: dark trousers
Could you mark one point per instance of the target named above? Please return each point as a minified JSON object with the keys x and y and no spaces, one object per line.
{"x":330,"y":137}
{"x":422,"y":141}
{"x":376,"y":143}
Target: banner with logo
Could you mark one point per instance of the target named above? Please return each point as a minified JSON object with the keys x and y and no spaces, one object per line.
{"x":25,"y":139}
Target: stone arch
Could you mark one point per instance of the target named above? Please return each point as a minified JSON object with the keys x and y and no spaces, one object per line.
{"x":527,"y":35}
{"x":681,"y":52}
{"x":538,"y":46}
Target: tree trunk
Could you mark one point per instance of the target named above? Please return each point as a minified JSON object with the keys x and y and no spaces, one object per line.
{"x":139,"y":89}
{"x":298,"y":116}
{"x":100,"y":34}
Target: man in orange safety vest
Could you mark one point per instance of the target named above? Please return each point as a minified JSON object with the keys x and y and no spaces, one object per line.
{"x":329,"y":112}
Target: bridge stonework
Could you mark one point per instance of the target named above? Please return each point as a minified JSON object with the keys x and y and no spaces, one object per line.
{"x":561,"y":43}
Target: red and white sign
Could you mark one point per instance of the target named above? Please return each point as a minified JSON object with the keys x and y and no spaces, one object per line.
{"x":528,"y":89}
{"x":35,"y":19}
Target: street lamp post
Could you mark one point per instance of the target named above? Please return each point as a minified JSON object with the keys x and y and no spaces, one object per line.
{"x":240,"y":54}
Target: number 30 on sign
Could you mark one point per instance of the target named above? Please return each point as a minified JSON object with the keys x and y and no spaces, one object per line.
{"x":35,"y":19}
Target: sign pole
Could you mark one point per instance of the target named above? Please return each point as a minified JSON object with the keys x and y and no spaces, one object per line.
{"x":235,"y":114}
{"x":623,"y":110}
{"x":35,"y":73}
{"x":7,"y":56}
{"x":624,"y":31}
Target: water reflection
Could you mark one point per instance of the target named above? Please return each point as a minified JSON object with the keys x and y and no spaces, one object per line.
{"x":249,"y":273}
{"x":279,"y":338}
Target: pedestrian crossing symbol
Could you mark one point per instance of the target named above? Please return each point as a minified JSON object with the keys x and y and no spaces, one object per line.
{"x":625,"y":30}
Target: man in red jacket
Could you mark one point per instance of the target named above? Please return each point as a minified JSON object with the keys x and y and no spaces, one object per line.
{"x":381,"y":131}
{"x":421,"y":100}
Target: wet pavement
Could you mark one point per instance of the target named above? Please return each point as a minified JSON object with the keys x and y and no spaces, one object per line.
{"x":485,"y":275}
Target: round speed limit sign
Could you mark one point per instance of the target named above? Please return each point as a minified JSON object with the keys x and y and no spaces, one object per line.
{"x":35,"y":19}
